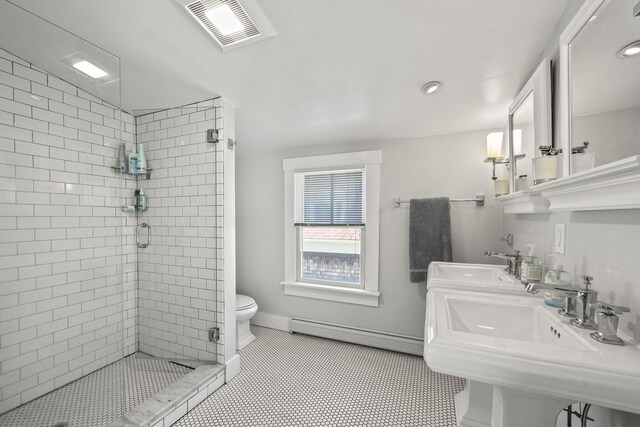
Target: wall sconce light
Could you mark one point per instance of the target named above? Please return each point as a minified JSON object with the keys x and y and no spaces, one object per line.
{"x":494,"y":151}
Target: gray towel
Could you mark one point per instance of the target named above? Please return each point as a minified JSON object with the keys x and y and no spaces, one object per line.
{"x":429,"y":235}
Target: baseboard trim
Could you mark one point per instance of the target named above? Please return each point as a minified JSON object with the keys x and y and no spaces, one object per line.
{"x":368,"y":337}
{"x":272,"y":321}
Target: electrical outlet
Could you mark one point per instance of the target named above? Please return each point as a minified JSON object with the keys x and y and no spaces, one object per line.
{"x":560,"y":238}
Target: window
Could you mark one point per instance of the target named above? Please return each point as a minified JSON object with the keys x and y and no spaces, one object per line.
{"x":330,"y":223}
{"x":331,"y":227}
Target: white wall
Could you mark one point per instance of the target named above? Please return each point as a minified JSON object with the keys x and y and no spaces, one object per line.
{"x":450,"y":165}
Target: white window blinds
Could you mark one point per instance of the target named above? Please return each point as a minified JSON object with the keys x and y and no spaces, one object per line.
{"x":332,"y":198}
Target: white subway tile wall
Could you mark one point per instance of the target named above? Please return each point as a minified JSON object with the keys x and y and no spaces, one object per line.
{"x":67,"y":252}
{"x":180,"y":275}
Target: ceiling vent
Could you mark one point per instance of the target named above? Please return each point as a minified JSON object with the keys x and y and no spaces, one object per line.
{"x":231,"y":24}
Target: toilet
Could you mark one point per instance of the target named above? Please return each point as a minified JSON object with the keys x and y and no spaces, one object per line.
{"x":246,"y":308}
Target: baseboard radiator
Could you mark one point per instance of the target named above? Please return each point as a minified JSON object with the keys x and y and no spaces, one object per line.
{"x":368,"y":337}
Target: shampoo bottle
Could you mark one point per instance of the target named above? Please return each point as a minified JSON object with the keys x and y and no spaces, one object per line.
{"x":558,"y":277}
{"x":141,"y":165}
{"x":133,"y":162}
{"x":122,"y":159}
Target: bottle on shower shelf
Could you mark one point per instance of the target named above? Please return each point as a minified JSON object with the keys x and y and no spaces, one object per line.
{"x":141,"y":163}
{"x":122,"y":158}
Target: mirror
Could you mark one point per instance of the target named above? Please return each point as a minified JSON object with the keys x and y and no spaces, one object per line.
{"x":600,"y":97}
{"x":523,"y":136}
{"x":530,"y":125}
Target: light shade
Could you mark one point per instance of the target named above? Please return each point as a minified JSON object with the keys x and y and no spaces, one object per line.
{"x":517,"y":141}
{"x":225,"y":20}
{"x":89,"y":69}
{"x":494,"y":144}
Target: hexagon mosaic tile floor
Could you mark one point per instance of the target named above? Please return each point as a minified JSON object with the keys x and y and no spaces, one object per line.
{"x":298,"y":380}
{"x":99,"y":398}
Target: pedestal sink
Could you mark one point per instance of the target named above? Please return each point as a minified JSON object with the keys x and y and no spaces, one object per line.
{"x":473,"y":404}
{"x":535,"y":362}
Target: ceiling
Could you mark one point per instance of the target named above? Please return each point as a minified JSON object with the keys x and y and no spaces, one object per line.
{"x":337,"y":70}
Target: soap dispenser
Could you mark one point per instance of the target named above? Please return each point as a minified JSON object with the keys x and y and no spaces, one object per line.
{"x":556,"y":276}
{"x":531,"y":270}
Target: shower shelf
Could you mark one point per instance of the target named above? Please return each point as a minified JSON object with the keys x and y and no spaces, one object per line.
{"x":147,"y":174}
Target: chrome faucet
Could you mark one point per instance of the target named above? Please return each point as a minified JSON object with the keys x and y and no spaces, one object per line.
{"x":514,"y":261}
{"x":585,"y":300}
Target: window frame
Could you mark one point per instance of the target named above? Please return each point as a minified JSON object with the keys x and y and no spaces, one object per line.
{"x":368,"y":295}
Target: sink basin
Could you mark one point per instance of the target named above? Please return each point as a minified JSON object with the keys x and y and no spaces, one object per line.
{"x":518,"y":344}
{"x":479,"y":277}
{"x":469,"y":272}
{"x":527,"y":321}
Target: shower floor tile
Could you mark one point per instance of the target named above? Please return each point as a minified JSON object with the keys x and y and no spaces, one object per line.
{"x":97,"y":399}
{"x":299,"y":380}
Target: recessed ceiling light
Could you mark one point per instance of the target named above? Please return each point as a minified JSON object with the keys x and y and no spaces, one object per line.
{"x":431,"y":88}
{"x":225,"y":20}
{"x":89,"y":69}
{"x":629,"y":50}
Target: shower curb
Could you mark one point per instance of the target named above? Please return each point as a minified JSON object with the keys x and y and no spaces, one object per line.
{"x":170,"y":404}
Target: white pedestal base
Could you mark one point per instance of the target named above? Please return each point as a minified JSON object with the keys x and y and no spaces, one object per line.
{"x":513,"y":407}
{"x":473,"y":405}
{"x":243,"y":335}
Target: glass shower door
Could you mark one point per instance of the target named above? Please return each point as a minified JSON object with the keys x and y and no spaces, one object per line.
{"x":180,"y":272}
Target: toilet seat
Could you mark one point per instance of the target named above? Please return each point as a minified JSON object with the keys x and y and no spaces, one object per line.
{"x":244,"y":302}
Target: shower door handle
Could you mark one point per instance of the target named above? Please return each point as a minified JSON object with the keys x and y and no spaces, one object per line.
{"x":138,"y":242}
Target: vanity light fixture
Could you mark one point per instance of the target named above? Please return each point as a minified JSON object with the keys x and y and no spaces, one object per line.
{"x":494,"y":151}
{"x":629,"y":50}
{"x":89,"y":69}
{"x":431,"y":88}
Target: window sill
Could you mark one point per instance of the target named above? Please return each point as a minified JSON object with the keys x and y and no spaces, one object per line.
{"x":331,"y":293}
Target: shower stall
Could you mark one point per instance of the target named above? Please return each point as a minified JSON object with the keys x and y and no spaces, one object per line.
{"x":112,"y":312}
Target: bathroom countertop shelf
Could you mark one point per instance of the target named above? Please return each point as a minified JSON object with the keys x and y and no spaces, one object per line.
{"x":612,"y":186}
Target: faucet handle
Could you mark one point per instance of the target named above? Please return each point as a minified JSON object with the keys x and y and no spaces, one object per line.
{"x":604,"y":307}
{"x":586,"y":281}
{"x":607,"y":332}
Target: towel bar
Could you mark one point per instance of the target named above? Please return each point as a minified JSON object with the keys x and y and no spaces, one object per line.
{"x":479,"y":200}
